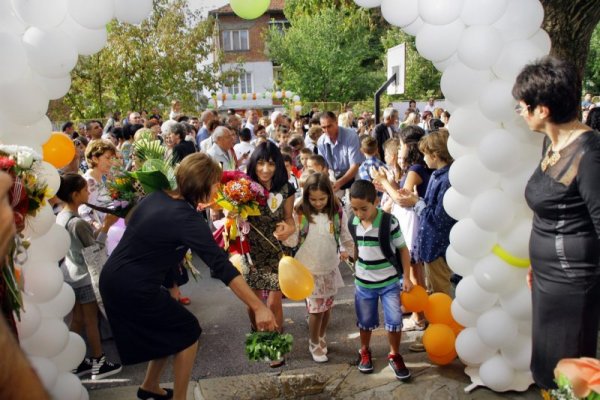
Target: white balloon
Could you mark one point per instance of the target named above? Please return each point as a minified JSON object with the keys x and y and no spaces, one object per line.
{"x":525,"y":327}
{"x":30,"y":320}
{"x":9,"y":22}
{"x":41,"y":13}
{"x":444,"y":64}
{"x":514,"y":185}
{"x":439,"y":42}
{"x":496,"y":328}
{"x":61,"y":305}
{"x":45,"y":369}
{"x":468,"y":126}
{"x":542,"y":40}
{"x":462,"y":316}
{"x":40,"y":224}
{"x":498,"y":150}
{"x":43,"y":281}
{"x":54,"y":88}
{"x":13,"y":62}
{"x":91,"y":14}
{"x":132,"y":11}
{"x":496,"y":374}
{"x":470,"y":240}
{"x":49,"y":340}
{"x":457,"y":150}
{"x":496,"y":102}
{"x":414,"y":27}
{"x":471,"y":349}
{"x":400,"y":12}
{"x":493,"y":210}
{"x":72,"y":354}
{"x":496,"y":276}
{"x":440,"y":12}
{"x":53,"y":246}
{"x":84,"y":394}
{"x":518,"y":353}
{"x":68,"y":387}
{"x":288,"y":94}
{"x":469,"y":177}
{"x":460,"y":264}
{"x":516,"y":239}
{"x":480,"y":47}
{"x":515,"y":55}
{"x":41,"y":130}
{"x":87,"y":41}
{"x":456,"y":205}
{"x":463,"y":85}
{"x":278,"y":94}
{"x":51,"y":52}
{"x":472,"y":297}
{"x":368,"y":3}
{"x":47,"y":173}
{"x":483,"y":12}
{"x":518,"y":303}
{"x":23,"y":102}
{"x":296,"y":98}
{"x":521,"y":19}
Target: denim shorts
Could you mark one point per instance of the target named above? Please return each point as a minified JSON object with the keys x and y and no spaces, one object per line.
{"x":366,"y":302}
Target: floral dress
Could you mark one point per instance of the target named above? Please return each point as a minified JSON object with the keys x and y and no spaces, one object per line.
{"x":262,"y":273}
{"x":99,"y":196}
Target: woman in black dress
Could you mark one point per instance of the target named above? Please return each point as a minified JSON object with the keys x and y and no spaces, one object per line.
{"x":148,"y":324}
{"x":564,"y":194}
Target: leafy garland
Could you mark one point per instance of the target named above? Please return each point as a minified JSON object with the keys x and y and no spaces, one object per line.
{"x":268,"y":346}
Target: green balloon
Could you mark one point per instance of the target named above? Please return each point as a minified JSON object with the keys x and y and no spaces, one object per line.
{"x":249,"y":9}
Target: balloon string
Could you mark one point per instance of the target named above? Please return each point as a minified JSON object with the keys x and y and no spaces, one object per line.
{"x":279,"y":249}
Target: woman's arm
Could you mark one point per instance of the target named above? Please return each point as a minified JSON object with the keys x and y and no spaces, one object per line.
{"x":265,"y":320}
{"x":286,"y":227}
{"x":412,"y":181}
{"x":588,"y":177}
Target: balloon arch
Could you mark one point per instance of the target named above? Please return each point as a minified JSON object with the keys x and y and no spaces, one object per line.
{"x":480,"y":45}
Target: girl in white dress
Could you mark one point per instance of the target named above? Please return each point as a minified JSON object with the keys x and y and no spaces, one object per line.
{"x":324,"y":240}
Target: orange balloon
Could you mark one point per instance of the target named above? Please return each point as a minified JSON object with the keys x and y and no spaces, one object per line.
{"x":416,"y":300}
{"x":59,"y":150}
{"x":295,"y":280}
{"x":443,"y":360}
{"x":456,"y":327}
{"x":438,"y":309}
{"x":438,"y":339}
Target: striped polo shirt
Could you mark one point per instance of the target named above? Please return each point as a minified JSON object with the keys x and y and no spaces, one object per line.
{"x":373,"y":270}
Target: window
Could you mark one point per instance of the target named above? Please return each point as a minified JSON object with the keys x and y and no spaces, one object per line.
{"x":244,"y":85}
{"x":235,"y":40}
{"x":280,"y":25}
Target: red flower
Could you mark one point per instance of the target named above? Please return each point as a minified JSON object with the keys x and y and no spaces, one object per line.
{"x":6,"y":163}
{"x":232,"y":176}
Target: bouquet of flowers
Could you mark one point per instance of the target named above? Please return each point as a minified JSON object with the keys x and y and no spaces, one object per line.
{"x":124,"y":194}
{"x":241,"y":196}
{"x":27,"y":195}
{"x":577,"y":378}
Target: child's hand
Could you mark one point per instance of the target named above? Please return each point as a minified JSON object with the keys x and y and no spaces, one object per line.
{"x":344,"y":255}
{"x":407,"y":198}
{"x":407,"y":285}
{"x":378,"y":175}
{"x":283,"y":230}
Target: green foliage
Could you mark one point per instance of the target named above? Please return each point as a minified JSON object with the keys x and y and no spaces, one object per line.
{"x":296,"y":8}
{"x":147,"y":65}
{"x":422,"y":78}
{"x":591,"y":80}
{"x":268,"y":345}
{"x":329,"y":55}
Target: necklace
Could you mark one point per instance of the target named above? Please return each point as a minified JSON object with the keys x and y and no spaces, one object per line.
{"x":552,"y":157}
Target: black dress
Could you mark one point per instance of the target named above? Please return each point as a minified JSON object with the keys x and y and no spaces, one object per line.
{"x":147,"y":322}
{"x":565,"y":256}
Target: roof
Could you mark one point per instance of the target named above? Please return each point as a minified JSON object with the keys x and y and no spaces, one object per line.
{"x":276,"y":5}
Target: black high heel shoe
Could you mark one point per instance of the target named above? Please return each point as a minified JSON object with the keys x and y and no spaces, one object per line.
{"x":146,"y":395}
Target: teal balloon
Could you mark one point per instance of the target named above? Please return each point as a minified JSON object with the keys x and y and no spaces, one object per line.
{"x":249,"y":9}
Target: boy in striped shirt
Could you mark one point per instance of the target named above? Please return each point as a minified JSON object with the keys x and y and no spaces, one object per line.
{"x":376,"y":278}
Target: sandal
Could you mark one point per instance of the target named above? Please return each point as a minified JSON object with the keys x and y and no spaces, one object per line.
{"x":315,"y":349}
{"x":145,"y":395}
{"x":277,"y":363}
{"x":412,"y":325}
{"x":185,"y":301}
{"x":323,"y":344}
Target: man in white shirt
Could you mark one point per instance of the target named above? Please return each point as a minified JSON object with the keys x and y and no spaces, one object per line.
{"x":222,"y":148}
{"x":251,"y":121}
{"x":430,"y":106}
{"x":244,"y":149}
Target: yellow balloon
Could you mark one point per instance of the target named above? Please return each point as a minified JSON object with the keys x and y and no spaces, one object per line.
{"x":295,"y":280}
{"x":236,"y":260}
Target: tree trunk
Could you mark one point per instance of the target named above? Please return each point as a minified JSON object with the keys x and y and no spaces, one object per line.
{"x":570,"y":24}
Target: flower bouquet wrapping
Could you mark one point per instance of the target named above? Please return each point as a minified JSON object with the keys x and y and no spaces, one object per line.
{"x":241,"y":197}
{"x":27,"y":196}
{"x":577,"y":378}
{"x":124,"y":194}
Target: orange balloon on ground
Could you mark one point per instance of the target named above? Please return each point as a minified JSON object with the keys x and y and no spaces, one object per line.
{"x":443,"y":360}
{"x":439,"y":340}
{"x":416,"y":300}
{"x":59,"y":150}
{"x":295,"y":280}
{"x":438,"y":309}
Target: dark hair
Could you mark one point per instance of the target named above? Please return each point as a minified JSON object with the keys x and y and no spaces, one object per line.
{"x":435,"y":124}
{"x":319,"y":160}
{"x":552,"y":83}
{"x":195,"y":176}
{"x":329,"y":115}
{"x":66,"y":126}
{"x":69,"y":184}
{"x":268,"y":151}
{"x":182,"y":118}
{"x":130,"y":130}
{"x":245,"y":134}
{"x":287,"y":158}
{"x":321,"y":183}
{"x":117,"y":131}
{"x":363,"y":190}
{"x":593,"y":119}
{"x":179,"y":129}
{"x":88,"y":125}
{"x":411,"y":133}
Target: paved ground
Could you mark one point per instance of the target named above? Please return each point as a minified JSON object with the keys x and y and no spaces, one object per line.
{"x":223,"y":371}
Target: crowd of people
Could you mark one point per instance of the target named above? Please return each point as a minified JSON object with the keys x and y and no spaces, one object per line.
{"x":339,"y":188}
